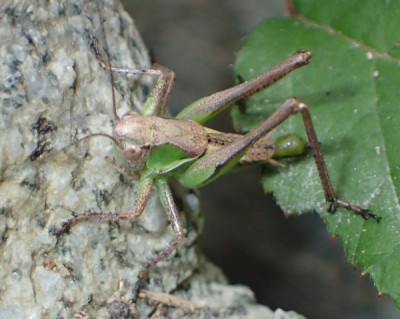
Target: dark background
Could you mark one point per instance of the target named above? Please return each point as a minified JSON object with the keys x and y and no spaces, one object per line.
{"x":289,"y":263}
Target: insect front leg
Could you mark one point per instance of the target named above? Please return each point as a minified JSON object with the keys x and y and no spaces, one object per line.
{"x":156,"y":103}
{"x":167,"y":201}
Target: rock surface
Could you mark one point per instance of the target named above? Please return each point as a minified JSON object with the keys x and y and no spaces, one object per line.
{"x":53,"y":93}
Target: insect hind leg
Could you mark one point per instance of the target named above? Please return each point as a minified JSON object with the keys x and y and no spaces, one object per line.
{"x":333,"y":201}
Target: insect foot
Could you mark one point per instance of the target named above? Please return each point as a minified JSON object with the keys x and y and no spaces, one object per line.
{"x":364,"y":213}
{"x":67,"y":225}
{"x":64,"y":228}
{"x":138,"y":285}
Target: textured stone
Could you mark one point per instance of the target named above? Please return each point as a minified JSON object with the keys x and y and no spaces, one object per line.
{"x":53,"y":93}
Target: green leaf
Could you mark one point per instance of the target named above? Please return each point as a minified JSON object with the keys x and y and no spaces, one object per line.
{"x":352,"y":89}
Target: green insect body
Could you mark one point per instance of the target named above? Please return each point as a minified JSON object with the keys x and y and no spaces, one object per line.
{"x":158,"y":147}
{"x":156,"y":144}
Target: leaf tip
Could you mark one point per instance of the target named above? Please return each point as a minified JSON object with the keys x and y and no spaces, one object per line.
{"x":290,"y":8}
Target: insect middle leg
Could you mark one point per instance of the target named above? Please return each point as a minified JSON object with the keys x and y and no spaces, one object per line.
{"x":142,"y":196}
{"x":168,"y":203}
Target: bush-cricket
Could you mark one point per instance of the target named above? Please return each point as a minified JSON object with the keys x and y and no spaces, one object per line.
{"x":158,"y":147}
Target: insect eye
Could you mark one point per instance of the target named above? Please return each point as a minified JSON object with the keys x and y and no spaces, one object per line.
{"x":135,"y":155}
{"x":132,"y":153}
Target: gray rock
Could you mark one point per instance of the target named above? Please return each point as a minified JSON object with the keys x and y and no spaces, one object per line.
{"x":53,"y":93}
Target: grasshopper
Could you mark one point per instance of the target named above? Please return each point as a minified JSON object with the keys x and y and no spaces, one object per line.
{"x":158,"y":147}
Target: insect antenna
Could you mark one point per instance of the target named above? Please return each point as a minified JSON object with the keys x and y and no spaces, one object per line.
{"x":107,"y":62}
{"x":74,"y":143}
{"x":94,"y":135}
